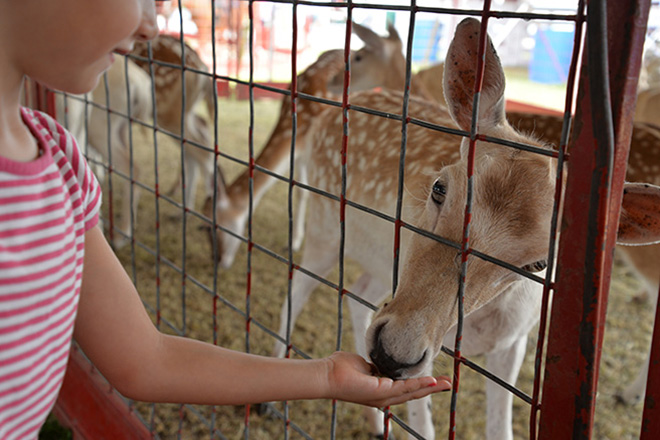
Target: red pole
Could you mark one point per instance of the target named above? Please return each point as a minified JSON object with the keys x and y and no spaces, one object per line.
{"x":580,"y":301}
{"x":651,"y":416}
{"x":91,"y":408}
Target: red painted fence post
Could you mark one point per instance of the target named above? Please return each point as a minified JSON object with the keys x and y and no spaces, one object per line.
{"x":580,"y":301}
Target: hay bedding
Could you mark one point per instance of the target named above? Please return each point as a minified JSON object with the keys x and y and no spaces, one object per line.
{"x":626,"y":339}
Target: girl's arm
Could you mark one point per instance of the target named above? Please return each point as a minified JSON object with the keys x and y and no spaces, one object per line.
{"x":116,"y":333}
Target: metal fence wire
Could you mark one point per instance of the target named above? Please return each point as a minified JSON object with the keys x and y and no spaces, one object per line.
{"x":169,"y":256}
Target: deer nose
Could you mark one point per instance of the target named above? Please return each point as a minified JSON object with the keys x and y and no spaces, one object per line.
{"x":385,"y":362}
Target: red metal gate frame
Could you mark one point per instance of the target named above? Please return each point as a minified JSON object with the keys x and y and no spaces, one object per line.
{"x":580,"y":302}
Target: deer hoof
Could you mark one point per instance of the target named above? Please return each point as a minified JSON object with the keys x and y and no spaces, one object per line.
{"x":382,"y":436}
{"x":628,"y":397}
{"x":119,"y":242}
{"x":263,"y":409}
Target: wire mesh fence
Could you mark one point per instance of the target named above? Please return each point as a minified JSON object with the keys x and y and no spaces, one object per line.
{"x":210,"y":265}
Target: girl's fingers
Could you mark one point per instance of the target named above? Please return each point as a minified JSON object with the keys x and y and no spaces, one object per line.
{"x":442,"y":384}
{"x":416,"y":389}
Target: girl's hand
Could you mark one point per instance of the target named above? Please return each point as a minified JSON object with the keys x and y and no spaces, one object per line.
{"x":351,"y":379}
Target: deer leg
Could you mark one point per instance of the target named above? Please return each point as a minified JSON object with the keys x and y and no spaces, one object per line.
{"x":419,"y":416}
{"x":634,"y":393}
{"x":191,"y":170}
{"x":196,"y":157}
{"x":372,"y":291}
{"x":123,"y":163}
{"x":320,"y":256}
{"x":299,"y":220}
{"x":505,"y":364}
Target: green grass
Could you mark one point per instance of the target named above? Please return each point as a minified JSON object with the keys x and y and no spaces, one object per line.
{"x":53,"y":430}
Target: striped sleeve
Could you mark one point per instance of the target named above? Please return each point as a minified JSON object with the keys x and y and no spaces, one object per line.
{"x":89,"y":185}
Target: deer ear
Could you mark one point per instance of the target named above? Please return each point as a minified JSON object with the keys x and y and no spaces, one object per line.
{"x":460,"y":76}
{"x":370,"y":38}
{"x":393,"y":34}
{"x":639,"y":222}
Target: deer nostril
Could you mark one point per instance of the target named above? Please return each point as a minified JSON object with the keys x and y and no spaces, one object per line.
{"x":385,"y":362}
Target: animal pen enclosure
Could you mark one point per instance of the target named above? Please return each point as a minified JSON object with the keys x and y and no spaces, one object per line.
{"x":166,"y":250}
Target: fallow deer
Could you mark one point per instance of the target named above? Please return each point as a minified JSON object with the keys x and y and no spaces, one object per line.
{"x":110,"y":137}
{"x":379,"y":63}
{"x":233,"y":203}
{"x":199,"y":90}
{"x":174,"y":61}
{"x":373,"y":165}
{"x":501,"y":306}
{"x":645,"y":142}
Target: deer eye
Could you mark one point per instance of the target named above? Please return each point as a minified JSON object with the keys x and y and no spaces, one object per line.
{"x":536,"y":267}
{"x":358,"y":58}
{"x":438,"y":192}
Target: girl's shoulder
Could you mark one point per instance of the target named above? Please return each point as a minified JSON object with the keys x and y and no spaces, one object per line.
{"x":49,"y":133}
{"x":54,"y":140}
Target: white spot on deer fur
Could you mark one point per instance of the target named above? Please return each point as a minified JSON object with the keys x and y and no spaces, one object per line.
{"x":362,"y":163}
{"x":361,"y":137}
{"x":328,"y":142}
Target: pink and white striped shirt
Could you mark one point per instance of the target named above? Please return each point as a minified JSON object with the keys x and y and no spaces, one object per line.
{"x":46,"y":206}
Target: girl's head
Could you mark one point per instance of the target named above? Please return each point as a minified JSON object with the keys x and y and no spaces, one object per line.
{"x":68,"y":44}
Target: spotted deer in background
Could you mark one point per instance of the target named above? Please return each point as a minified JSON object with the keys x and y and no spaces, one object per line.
{"x":112,"y":139}
{"x":232,"y":208}
{"x":108,"y":133}
{"x":195,"y":127}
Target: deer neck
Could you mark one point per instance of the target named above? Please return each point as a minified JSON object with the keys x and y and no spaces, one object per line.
{"x":275,"y":157}
{"x":396,"y":80}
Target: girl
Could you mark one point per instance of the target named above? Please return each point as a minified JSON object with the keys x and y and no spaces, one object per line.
{"x":59,"y":277}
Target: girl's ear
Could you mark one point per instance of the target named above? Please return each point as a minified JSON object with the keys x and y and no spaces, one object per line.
{"x":639,"y":222}
{"x":460,"y":76}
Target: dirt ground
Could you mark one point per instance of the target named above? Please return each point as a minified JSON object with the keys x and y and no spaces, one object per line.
{"x":187,"y":306}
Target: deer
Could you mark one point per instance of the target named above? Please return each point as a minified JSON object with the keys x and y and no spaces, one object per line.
{"x":645,"y":140}
{"x":111,"y":140}
{"x":501,"y":307}
{"x":133,"y":71}
{"x":380,"y":61}
{"x":200,"y":89}
{"x":232,"y":206}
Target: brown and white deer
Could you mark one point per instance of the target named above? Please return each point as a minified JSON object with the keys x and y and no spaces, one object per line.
{"x":183,"y":118}
{"x":112,"y":140}
{"x":379,"y":63}
{"x":233,"y":203}
{"x":108,"y":133}
{"x":512,"y":204}
{"x":644,"y":161}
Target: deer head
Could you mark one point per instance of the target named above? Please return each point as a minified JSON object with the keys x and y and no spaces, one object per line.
{"x":379,"y":63}
{"x":512,"y":204}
